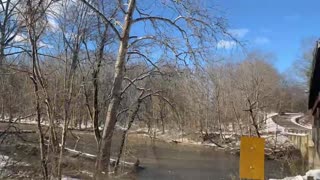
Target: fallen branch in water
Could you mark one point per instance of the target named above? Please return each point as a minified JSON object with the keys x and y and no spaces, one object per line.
{"x":215,"y":143}
{"x":93,"y":157}
{"x":18,"y":132}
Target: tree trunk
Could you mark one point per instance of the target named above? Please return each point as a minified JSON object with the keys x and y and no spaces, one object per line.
{"x":2,"y":77}
{"x":95,"y":76}
{"x":254,"y":123}
{"x":132,"y":117}
{"x":68,"y":98}
{"x":43,"y":162}
{"x":237,"y":117}
{"x":103,"y":158}
{"x":36,"y":78}
{"x":162,"y":117}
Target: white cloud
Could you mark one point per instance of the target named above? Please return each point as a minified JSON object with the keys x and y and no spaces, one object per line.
{"x":261,"y":40}
{"x":53,"y":23}
{"x":20,"y":38}
{"x":238,"y":33}
{"x":225,"y":44}
{"x":42,"y":44}
{"x":56,"y":9}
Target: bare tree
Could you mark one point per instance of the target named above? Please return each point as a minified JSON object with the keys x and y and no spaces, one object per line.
{"x":257,"y":83}
{"x":10,"y":27}
{"x":74,"y":35}
{"x":33,"y":15}
{"x":190,"y":25}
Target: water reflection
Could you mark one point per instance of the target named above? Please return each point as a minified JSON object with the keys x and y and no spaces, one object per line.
{"x":170,"y":161}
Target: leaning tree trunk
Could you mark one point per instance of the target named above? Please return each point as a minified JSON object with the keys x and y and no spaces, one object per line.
{"x":253,"y":118}
{"x":35,"y":80}
{"x":103,"y":159}
{"x":2,"y":81}
{"x":123,"y":139}
{"x":43,"y":161}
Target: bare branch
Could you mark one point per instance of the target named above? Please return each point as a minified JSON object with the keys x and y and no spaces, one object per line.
{"x":104,"y":19}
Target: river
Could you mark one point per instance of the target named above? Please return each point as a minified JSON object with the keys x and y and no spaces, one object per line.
{"x":171,"y":161}
{"x":161,"y":160}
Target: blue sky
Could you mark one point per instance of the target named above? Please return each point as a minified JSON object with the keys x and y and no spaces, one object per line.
{"x":273,"y":26}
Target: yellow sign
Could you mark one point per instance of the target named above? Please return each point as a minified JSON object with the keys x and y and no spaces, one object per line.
{"x":252,"y":158}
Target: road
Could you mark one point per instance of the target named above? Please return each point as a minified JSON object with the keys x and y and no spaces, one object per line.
{"x":286,"y":121}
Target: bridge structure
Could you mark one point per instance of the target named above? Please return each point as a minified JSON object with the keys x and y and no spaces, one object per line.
{"x":290,"y":123}
{"x":314,"y":96}
{"x":299,"y":134}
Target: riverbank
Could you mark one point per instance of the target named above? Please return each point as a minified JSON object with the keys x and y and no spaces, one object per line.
{"x":277,"y":146}
{"x":169,"y":157}
{"x":276,"y":142}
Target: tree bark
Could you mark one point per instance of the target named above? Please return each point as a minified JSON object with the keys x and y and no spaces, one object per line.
{"x":95,"y":76}
{"x":44,"y":167}
{"x":237,"y":117}
{"x":35,"y":78}
{"x":31,"y":12}
{"x":253,"y":119}
{"x":103,"y":159}
{"x":68,"y":98}
{"x":132,"y":117}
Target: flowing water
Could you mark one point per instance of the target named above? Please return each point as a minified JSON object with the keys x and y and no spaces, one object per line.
{"x":162,"y":160}
{"x":170,"y":161}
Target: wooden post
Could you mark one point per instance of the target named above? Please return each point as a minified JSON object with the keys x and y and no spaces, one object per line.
{"x":252,"y":158}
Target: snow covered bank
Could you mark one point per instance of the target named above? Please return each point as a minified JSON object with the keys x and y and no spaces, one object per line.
{"x":6,"y":163}
{"x":33,"y":121}
{"x":315,"y":173}
{"x":271,"y":126}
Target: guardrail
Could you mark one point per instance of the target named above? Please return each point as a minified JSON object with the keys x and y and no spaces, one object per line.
{"x":296,"y":132}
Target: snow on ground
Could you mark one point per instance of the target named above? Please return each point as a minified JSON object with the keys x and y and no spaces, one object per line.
{"x":315,"y":173}
{"x":271,"y":126}
{"x":296,"y":134}
{"x":69,"y":178}
{"x":294,"y":121}
{"x":119,"y":127}
{"x":170,"y":137}
{"x":281,"y":139}
{"x":270,"y":129}
{"x":45,"y":123}
{"x":3,"y":161}
{"x":7,"y":161}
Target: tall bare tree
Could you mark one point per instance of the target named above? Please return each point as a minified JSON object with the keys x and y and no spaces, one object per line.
{"x":34,"y":20}
{"x":191,"y":24}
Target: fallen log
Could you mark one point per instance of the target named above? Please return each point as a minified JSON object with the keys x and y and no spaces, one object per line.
{"x":175,"y":141}
{"x":17,"y":132}
{"x":93,"y":157}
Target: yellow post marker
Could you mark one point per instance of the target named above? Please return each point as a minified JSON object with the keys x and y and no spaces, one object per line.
{"x":252,"y":158}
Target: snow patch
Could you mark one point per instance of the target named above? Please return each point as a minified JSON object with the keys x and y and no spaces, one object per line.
{"x":315,"y":173}
{"x":271,"y":126}
{"x":120,"y":127}
{"x":69,"y":178}
{"x":7,"y":161}
{"x":4,"y":161}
